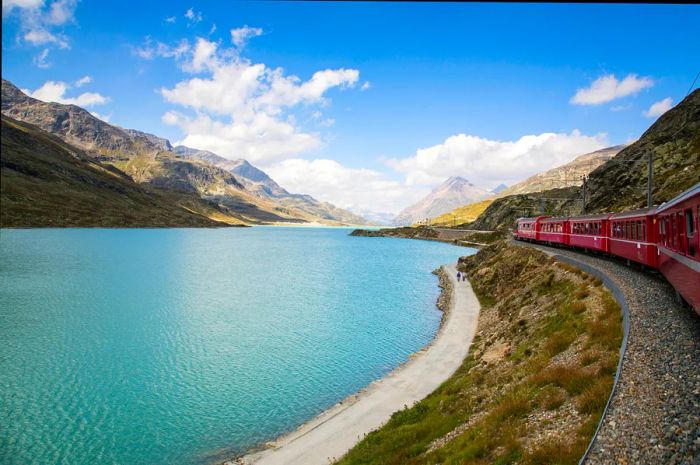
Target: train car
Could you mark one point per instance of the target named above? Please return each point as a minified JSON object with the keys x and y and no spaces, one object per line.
{"x":589,"y":232}
{"x":631,"y":236}
{"x":678,"y":244}
{"x":527,"y":228}
{"x":554,"y":230}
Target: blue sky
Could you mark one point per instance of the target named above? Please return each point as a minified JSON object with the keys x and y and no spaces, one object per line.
{"x":409,"y":93}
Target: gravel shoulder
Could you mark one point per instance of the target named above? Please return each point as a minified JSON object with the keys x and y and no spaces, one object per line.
{"x":654,"y":415}
{"x":330,"y":435}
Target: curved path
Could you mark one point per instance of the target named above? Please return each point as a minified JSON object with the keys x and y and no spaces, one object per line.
{"x":330,"y":435}
{"x":654,"y":415}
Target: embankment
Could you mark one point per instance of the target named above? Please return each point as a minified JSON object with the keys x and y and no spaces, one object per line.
{"x":535,"y":382}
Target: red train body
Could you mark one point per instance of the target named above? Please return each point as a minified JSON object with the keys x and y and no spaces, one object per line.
{"x":678,"y":244}
{"x":631,"y":236}
{"x":666,"y":238}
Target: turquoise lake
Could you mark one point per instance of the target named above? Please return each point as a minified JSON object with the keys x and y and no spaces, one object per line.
{"x":188,"y":346}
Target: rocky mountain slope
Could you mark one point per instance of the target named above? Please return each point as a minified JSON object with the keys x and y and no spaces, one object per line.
{"x":47,"y":182}
{"x":148,"y":159}
{"x":620,"y":183}
{"x":258,"y":182}
{"x":452,"y":193}
{"x":673,"y":140}
{"x":566,"y":175}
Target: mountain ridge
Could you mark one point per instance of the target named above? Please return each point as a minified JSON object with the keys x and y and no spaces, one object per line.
{"x":454,"y":192}
{"x":149,"y":159}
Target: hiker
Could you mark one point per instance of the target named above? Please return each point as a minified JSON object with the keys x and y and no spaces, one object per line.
{"x":459,"y":276}
{"x":464,"y":276}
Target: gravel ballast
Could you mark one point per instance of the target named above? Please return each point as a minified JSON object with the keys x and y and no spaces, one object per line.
{"x":654,"y":416}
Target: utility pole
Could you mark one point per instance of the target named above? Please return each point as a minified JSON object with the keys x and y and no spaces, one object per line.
{"x":542,"y":204}
{"x":650,"y":179}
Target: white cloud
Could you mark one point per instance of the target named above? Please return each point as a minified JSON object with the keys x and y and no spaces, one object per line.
{"x":150,"y":50}
{"x":366,"y":86}
{"x":61,"y":12}
{"x":203,"y":57}
{"x":659,"y":108}
{"x":40,"y":59}
{"x":38,"y":21}
{"x":607,"y":88}
{"x":193,"y":16}
{"x":82,"y":81}
{"x":171,"y":19}
{"x":259,"y":139}
{"x":358,"y":189}
{"x":9,"y":5}
{"x":104,"y":118}
{"x":55,"y":91}
{"x":212,"y":29}
{"x":241,"y":35}
{"x":41,"y":36}
{"x":242,"y":109}
{"x":487,"y":162}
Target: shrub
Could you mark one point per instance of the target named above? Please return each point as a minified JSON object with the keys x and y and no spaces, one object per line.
{"x":593,"y":399}
{"x":572,"y":378}
{"x":551,"y":398}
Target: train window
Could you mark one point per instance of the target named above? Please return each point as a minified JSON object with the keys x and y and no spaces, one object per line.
{"x":689,"y":222}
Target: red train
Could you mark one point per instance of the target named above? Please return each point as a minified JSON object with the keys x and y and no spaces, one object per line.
{"x":666,"y":238}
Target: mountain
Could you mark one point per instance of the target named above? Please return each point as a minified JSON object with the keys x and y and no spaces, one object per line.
{"x":674,"y":142}
{"x":46,"y":182}
{"x":146,"y":159}
{"x":620,"y":183}
{"x":258,"y":182}
{"x":452,"y":193}
{"x":562,"y":176}
{"x":498,"y":189}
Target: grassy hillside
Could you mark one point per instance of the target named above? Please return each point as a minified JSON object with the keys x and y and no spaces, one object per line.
{"x":46,"y":182}
{"x":535,"y":382}
{"x":462,"y":215}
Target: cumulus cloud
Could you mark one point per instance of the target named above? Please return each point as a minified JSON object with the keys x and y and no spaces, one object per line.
{"x":245,"y":109}
{"x":40,"y":23}
{"x":659,"y":108}
{"x":241,"y":35}
{"x":607,"y":88}
{"x":171,"y":19}
{"x":488,"y":162}
{"x":357,"y":189}
{"x":366,"y":86}
{"x":55,"y":91}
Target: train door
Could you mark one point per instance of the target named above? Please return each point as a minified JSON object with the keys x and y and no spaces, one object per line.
{"x":690,"y":233}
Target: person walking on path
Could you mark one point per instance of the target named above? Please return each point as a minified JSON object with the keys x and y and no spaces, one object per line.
{"x":459,"y":276}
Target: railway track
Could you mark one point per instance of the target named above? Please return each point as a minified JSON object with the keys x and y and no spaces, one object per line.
{"x":654,"y":414}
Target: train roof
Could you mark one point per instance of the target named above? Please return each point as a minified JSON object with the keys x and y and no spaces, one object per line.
{"x":601,"y":216}
{"x":633,"y":213}
{"x":692,"y":192}
{"x":531,"y":218}
{"x":555,"y":219}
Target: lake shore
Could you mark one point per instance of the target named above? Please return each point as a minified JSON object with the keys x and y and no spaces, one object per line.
{"x":331,"y":434}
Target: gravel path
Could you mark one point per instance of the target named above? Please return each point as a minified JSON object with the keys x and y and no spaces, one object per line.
{"x":654,"y":417}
